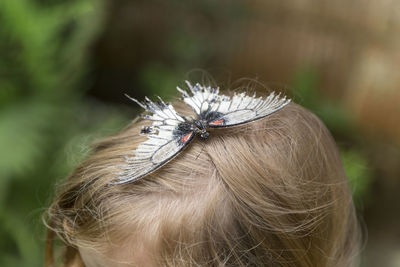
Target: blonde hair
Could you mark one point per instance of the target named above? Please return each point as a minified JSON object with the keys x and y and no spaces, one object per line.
{"x":268,"y":193}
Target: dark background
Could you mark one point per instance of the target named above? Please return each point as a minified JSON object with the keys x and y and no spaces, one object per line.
{"x":66,"y":65}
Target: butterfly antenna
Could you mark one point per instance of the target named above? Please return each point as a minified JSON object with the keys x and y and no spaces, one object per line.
{"x":136,"y":101}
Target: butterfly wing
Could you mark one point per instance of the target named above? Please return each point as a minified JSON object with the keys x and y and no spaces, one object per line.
{"x":167,"y":136}
{"x":222,"y":111}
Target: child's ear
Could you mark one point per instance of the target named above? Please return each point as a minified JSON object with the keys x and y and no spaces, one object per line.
{"x":72,"y":258}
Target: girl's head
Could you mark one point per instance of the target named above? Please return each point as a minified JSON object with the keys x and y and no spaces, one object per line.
{"x":268,"y":193}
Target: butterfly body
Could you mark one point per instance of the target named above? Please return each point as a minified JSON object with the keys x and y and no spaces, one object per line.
{"x":186,"y":129}
{"x":171,"y":132}
{"x":201,"y":128}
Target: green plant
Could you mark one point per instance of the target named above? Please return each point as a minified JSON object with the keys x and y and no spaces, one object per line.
{"x":43,"y":114}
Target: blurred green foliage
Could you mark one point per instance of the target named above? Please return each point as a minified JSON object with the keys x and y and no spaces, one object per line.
{"x":43,"y":116}
{"x":359,"y":175}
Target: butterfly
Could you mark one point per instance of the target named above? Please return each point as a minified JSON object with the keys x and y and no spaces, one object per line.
{"x":171,"y":132}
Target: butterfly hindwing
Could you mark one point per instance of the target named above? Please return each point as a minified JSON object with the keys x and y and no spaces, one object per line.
{"x":222,"y":111}
{"x":167,"y":136}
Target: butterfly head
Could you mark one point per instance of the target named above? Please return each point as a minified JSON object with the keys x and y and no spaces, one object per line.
{"x":204,"y":134}
{"x":201,"y":128}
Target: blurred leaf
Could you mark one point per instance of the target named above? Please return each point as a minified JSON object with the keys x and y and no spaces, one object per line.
{"x":306,"y":84}
{"x":28,"y":247}
{"x":49,"y":63}
{"x":41,"y":78}
{"x":336,"y":118}
{"x":54,"y":140}
{"x":21,"y":136}
{"x":358,"y":174}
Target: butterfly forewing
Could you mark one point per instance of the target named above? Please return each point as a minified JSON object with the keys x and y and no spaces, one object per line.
{"x":167,"y":136}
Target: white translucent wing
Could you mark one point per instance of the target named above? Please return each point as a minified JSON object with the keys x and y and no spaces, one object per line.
{"x":222,"y":111}
{"x":167,"y":136}
{"x":202,"y":98}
